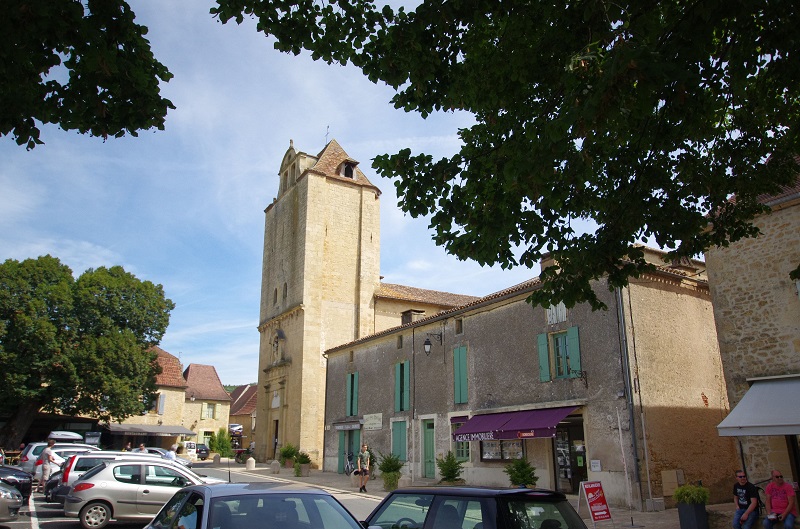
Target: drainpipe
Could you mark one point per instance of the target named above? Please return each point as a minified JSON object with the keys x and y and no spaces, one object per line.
{"x":626,"y":377}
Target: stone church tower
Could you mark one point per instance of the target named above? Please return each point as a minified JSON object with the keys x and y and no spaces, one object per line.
{"x":320,"y":273}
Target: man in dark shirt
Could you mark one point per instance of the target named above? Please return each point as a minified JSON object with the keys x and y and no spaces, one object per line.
{"x":745,"y":496}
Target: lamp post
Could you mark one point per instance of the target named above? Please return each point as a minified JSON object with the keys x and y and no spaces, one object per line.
{"x":427,"y":343}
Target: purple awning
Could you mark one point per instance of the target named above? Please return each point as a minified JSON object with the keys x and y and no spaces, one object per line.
{"x":513,"y":425}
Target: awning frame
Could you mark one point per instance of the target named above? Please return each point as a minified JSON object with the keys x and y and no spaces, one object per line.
{"x":523,"y":424}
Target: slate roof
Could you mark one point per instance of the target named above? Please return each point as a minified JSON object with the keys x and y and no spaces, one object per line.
{"x":171,"y":368}
{"x":204,"y":384}
{"x":243,"y":400}
{"x":432,"y":297}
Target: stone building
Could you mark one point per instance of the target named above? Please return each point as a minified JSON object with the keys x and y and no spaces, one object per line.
{"x":629,"y":396}
{"x":243,"y":411}
{"x":320,"y":287}
{"x":206,"y":403}
{"x":757,"y":312}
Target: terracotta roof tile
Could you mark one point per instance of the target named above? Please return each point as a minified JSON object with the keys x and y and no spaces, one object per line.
{"x":329,"y":160}
{"x":786,"y":192}
{"x":171,"y":368}
{"x":203,"y":383}
{"x":244,"y":400}
{"x":432,"y":297}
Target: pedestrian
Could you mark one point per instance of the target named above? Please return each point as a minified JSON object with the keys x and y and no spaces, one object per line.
{"x":141,"y":448}
{"x":127,"y":447}
{"x":363,"y":467}
{"x":173,"y":453}
{"x":781,"y":502}
{"x":48,"y":462}
{"x":745,"y":497}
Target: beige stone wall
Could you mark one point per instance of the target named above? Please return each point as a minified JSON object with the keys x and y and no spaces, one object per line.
{"x":389,"y":312}
{"x":757,"y":313}
{"x":173,"y":409}
{"x":682,"y":396}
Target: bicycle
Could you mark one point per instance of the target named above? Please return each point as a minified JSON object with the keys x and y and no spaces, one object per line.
{"x":348,"y":464}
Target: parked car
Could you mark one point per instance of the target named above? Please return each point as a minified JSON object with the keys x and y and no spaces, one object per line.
{"x":60,"y":455}
{"x":51,"y":486}
{"x":235,"y":505}
{"x":127,"y":491}
{"x":10,"y":503}
{"x":484,"y":508}
{"x":163,"y":453}
{"x":18,"y":479}
{"x":31,"y":453}
{"x":202,"y":452}
{"x":235,"y":430}
{"x":76,"y":466}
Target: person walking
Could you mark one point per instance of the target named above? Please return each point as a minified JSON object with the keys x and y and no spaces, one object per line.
{"x":745,"y":497}
{"x":363,"y":467}
{"x":172,"y":454}
{"x":781,"y":502}
{"x":48,"y":462}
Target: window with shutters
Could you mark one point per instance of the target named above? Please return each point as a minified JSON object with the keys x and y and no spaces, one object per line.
{"x":352,"y":394}
{"x":460,"y":387}
{"x":209,"y":410}
{"x":402,"y":383}
{"x":559,"y":355}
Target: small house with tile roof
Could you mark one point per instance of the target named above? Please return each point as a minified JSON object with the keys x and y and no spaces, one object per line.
{"x":757,"y":314}
{"x":243,"y":410}
{"x":207,"y":404}
{"x":164,"y":424}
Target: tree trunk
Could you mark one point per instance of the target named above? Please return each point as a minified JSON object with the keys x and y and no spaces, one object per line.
{"x":18,"y":424}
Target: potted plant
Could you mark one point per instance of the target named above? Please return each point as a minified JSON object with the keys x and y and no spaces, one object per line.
{"x":286,"y":455}
{"x":521,"y":473}
{"x":691,"y":501}
{"x":302,"y":465}
{"x":390,"y":466}
{"x":450,"y":469}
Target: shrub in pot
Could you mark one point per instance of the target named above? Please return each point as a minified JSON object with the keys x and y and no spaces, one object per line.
{"x":450,"y":468}
{"x":287,"y":453}
{"x":691,"y":500}
{"x":521,"y":473}
{"x":390,"y":467}
{"x":302,"y":464}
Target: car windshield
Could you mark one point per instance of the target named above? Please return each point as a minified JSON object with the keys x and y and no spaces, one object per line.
{"x":287,"y":511}
{"x":531,"y":512}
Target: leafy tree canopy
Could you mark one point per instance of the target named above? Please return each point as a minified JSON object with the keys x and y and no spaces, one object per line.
{"x":84,"y":65}
{"x":76,"y":346}
{"x":642,"y":118}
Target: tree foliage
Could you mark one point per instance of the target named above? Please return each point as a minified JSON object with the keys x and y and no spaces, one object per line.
{"x":76,"y":346}
{"x":642,"y":119}
{"x":85,"y":66}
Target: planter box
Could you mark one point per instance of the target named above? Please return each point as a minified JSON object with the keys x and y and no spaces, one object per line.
{"x":692,"y":516}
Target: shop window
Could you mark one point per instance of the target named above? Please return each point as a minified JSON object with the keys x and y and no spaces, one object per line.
{"x":502,"y":450}
{"x":559,"y":355}
{"x":460,"y":387}
{"x":460,"y":448}
{"x":399,"y":440}
{"x":352,"y":394}
{"x":402,"y":383}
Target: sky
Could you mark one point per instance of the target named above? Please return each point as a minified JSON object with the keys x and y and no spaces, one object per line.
{"x":184,"y":207}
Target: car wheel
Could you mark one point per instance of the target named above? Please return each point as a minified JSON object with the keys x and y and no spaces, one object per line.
{"x":95,"y":515}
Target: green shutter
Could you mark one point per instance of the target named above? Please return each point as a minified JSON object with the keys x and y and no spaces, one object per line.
{"x":399,"y":439}
{"x":340,"y":459}
{"x":460,"y":387}
{"x":574,"y":351}
{"x":348,"y":405}
{"x":397,"y":395}
{"x":407,"y":385}
{"x":355,"y":394}
{"x":544,"y":358}
{"x":356,"y":441}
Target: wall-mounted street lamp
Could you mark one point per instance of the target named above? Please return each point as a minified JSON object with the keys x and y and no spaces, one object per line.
{"x":427,"y":343}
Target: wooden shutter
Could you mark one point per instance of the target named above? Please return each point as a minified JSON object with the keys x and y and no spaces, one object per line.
{"x":544,"y":357}
{"x":406,"y":385}
{"x":399,"y":439}
{"x":460,"y":387}
{"x":162,"y":400}
{"x":574,"y":352}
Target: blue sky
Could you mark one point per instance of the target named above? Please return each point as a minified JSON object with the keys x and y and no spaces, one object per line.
{"x":184,"y":207}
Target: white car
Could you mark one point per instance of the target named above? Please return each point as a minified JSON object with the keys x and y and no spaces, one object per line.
{"x":60,"y":455}
{"x":32,"y":451}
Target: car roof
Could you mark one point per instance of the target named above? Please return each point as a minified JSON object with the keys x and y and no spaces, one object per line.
{"x":223,"y":490}
{"x":483,"y":492}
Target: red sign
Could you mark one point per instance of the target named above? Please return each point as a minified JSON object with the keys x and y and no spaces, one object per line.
{"x":598,"y":507}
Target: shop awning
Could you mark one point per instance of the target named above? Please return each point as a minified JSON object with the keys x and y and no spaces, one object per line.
{"x":513,"y":425}
{"x":156,"y":430}
{"x":768,"y":408}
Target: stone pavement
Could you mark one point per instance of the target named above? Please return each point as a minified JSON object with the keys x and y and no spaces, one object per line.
{"x":720,"y":516}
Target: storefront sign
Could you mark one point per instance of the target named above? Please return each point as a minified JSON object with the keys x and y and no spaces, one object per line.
{"x":347,"y":426}
{"x":373,"y":421}
{"x":596,"y":498}
{"x":481,"y":436}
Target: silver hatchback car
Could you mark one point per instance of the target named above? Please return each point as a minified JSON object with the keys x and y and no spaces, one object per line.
{"x":127,"y":490}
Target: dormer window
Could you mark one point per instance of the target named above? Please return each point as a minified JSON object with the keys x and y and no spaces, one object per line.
{"x":348,"y":169}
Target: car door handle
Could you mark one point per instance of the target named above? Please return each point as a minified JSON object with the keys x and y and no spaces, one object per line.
{"x":146,"y":491}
